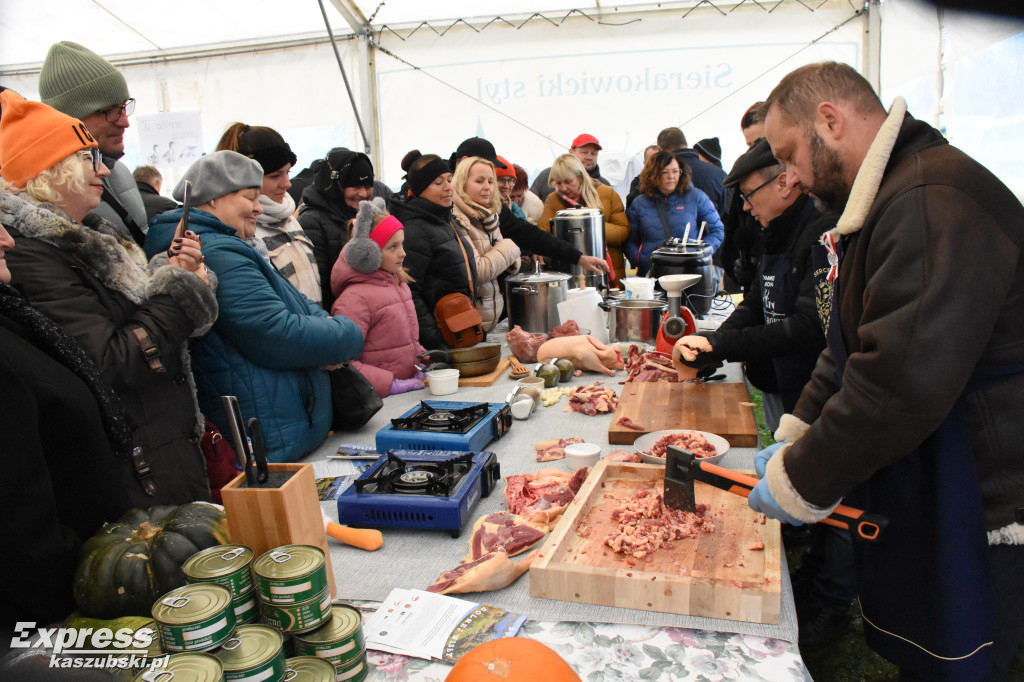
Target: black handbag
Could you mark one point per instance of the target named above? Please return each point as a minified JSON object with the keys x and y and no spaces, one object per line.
{"x":354,"y":400}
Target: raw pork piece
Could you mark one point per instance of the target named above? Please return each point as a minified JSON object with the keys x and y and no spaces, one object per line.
{"x":523,"y":344}
{"x":623,"y":456}
{"x":569,"y":328}
{"x":503,"y":532}
{"x":593,"y":399}
{"x":646,"y":524}
{"x":687,"y":440}
{"x":550,"y":450}
{"x":585,"y":352}
{"x":542,"y":496}
{"x":492,"y":571}
{"x":629,"y":424}
{"x":651,"y":366}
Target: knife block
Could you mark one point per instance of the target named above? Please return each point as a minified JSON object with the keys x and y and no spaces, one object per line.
{"x":264,"y":518}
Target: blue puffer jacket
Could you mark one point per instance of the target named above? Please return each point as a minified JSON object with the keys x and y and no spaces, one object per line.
{"x":646,"y":232}
{"x":267,"y":344}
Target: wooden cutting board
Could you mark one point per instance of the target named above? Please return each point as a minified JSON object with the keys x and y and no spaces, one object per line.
{"x":714,"y":407}
{"x":715,"y":575}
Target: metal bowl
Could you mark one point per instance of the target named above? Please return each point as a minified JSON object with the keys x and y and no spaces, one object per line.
{"x":478,"y":367}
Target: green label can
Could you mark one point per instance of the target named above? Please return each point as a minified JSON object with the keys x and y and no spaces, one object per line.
{"x":308,"y":669}
{"x":290,"y":574}
{"x":292,"y":618}
{"x":255,"y":654}
{"x":247,"y":608}
{"x":357,"y":671}
{"x":227,"y":565}
{"x":339,"y":640}
{"x":195,"y":617}
{"x":190,"y":667}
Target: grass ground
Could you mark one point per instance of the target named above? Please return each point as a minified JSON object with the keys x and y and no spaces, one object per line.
{"x":848,"y":659}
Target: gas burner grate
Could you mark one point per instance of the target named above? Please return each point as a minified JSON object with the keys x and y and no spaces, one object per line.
{"x":446,"y":420}
{"x":398,"y":477}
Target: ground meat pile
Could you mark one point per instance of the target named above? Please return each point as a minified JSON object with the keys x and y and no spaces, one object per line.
{"x":593,"y":399}
{"x":687,"y":440}
{"x":646,"y":524}
{"x":651,"y":366}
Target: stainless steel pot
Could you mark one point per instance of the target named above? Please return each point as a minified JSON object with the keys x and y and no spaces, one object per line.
{"x":532,"y":299}
{"x":635,"y":320}
{"x":584,"y":229}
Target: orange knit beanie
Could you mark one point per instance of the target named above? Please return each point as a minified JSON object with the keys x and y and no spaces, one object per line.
{"x":34,"y":137}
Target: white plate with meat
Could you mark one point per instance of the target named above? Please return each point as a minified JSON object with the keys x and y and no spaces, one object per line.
{"x":707,"y":446}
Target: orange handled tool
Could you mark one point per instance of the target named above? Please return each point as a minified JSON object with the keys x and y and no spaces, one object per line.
{"x":682,"y":468}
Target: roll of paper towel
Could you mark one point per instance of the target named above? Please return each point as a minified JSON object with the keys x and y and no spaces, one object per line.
{"x":582,"y":306}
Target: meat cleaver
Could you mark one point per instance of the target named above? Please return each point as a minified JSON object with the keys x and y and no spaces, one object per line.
{"x":682,"y":468}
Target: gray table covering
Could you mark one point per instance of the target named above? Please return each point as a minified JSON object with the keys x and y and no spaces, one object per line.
{"x":415,"y":558}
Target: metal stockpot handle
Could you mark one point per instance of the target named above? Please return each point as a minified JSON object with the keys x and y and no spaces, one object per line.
{"x":525,"y":290}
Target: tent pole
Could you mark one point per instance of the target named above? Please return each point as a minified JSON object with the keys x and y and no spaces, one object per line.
{"x":873,"y":46}
{"x":344,"y":76}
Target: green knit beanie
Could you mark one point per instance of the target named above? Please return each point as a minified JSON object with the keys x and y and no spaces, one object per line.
{"x":79,"y":82}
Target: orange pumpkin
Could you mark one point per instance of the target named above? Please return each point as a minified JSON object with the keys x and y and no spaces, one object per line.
{"x":512,"y":659}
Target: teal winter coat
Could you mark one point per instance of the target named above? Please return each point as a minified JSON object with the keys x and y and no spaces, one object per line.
{"x":267,"y":345}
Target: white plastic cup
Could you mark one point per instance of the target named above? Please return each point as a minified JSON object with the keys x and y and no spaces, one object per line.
{"x":639,"y":287}
{"x":582,"y":455}
{"x":443,"y":381}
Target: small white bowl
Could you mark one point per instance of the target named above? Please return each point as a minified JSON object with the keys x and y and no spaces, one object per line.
{"x":443,"y":381}
{"x":582,"y":455}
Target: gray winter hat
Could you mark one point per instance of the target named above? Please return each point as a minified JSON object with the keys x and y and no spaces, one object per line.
{"x":217,"y":174}
{"x":79,"y":82}
{"x":362,"y":252}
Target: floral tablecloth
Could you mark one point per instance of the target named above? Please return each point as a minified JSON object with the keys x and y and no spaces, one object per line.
{"x":608,"y":651}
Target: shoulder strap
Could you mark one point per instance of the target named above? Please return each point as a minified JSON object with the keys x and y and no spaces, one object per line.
{"x":663,"y":216}
{"x":133,"y":228}
{"x":465,"y":257}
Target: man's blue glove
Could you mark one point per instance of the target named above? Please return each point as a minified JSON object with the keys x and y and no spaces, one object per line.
{"x":762,"y":500}
{"x":761,"y":458}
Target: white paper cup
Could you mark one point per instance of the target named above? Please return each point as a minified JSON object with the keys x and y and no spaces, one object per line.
{"x":582,"y":455}
{"x":443,"y":381}
{"x":639,"y":287}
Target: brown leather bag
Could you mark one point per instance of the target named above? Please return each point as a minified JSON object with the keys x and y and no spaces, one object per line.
{"x":458,"y":321}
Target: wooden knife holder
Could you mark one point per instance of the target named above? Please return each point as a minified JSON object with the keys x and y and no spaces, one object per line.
{"x":263,"y":518}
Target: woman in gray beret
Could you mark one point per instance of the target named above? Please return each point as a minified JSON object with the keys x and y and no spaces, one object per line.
{"x":270,"y":345}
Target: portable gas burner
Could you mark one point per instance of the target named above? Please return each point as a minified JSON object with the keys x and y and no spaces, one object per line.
{"x":445,"y":425}
{"x":433,"y":490}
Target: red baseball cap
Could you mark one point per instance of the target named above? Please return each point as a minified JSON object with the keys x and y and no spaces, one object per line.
{"x":585,"y":139}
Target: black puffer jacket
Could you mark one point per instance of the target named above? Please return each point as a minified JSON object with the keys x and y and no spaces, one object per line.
{"x":434,"y":258}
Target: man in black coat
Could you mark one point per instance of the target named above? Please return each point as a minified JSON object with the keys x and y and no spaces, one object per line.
{"x":149,"y":180}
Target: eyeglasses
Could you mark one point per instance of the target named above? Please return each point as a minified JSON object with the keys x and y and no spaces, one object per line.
{"x":114,"y":113}
{"x":92,"y":154}
{"x":749,"y":195}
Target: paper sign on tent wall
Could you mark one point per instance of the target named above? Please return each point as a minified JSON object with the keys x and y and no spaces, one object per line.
{"x":171,"y":142}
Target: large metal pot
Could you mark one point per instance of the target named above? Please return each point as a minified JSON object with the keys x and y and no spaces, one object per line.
{"x":584,"y":229}
{"x":532,"y":299}
{"x":634,"y":320}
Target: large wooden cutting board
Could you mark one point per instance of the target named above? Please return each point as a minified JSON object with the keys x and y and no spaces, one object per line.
{"x":714,"y":407}
{"x":716,"y":575}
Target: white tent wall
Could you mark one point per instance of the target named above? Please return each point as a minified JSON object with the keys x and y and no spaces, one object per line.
{"x":532,"y":91}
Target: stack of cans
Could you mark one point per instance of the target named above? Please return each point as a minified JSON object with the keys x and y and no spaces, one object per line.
{"x":291,"y":582}
{"x":230,"y":566}
{"x":340,"y":641}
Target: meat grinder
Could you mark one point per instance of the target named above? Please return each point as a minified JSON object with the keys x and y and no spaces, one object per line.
{"x":678,"y":320}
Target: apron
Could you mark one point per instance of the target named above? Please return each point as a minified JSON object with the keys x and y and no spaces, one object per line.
{"x":925,"y":585}
{"x":779,"y":292}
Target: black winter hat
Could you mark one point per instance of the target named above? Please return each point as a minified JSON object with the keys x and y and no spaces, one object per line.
{"x":711,"y":149}
{"x":757,"y":157}
{"x":344,"y":168}
{"x":476,"y":146}
{"x":266,"y":146}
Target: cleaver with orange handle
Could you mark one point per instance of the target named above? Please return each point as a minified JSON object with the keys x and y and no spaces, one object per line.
{"x":682,"y":468}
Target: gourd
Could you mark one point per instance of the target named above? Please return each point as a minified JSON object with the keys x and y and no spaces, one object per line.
{"x":512,"y":659}
{"x":127,"y":565}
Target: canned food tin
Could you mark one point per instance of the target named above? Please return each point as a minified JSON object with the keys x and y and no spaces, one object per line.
{"x":290,"y":574}
{"x":195,"y":617}
{"x":254,"y":653}
{"x":339,"y":640}
{"x":292,"y":618}
{"x":308,"y":669}
{"x":356,"y":672}
{"x":227,"y":565}
{"x":190,"y":667}
{"x":246,"y":608}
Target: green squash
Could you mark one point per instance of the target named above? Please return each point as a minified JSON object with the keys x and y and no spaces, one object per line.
{"x":127,"y":565}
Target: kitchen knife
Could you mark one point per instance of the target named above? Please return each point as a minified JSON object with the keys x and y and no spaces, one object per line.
{"x":233,"y":415}
{"x":682,"y":468}
{"x":258,"y":451}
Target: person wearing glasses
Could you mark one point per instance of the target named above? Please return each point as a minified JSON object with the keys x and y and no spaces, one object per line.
{"x":133,"y":318}
{"x":78,"y":82}
{"x":667,"y":203}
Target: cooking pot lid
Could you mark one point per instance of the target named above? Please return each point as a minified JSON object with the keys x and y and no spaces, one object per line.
{"x":578,"y":212}
{"x":640,"y":303}
{"x":677,"y":249}
{"x":538,"y":277}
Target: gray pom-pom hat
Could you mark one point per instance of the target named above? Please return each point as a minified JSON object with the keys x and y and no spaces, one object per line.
{"x":363,"y":251}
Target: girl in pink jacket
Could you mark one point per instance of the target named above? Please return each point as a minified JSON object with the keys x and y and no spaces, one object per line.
{"x":372,"y":290}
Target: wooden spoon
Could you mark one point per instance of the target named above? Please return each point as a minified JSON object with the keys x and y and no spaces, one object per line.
{"x":518,"y":370}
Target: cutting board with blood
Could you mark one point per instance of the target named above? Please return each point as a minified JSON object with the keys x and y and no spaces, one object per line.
{"x":723,"y":574}
{"x":714,"y":407}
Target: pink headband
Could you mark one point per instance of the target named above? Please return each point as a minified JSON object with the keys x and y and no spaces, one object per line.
{"x":384,"y":231}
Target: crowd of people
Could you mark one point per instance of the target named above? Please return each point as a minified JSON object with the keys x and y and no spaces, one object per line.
{"x":846,"y":225}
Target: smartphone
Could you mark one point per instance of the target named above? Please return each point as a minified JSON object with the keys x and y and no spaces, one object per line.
{"x":186,"y":205}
